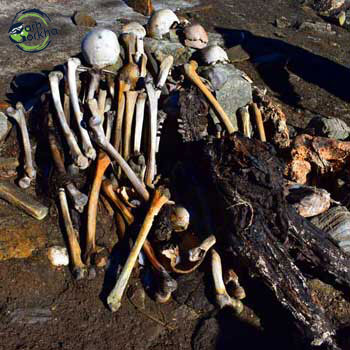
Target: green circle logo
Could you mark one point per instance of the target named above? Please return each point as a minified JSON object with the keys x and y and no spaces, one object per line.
{"x":30,"y":30}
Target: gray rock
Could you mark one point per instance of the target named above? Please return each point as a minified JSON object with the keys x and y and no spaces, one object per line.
{"x":235,"y":93}
{"x":5,"y":126}
{"x":163,"y":48}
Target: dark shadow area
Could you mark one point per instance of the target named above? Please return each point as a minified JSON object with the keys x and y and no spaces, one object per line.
{"x":273,"y":57}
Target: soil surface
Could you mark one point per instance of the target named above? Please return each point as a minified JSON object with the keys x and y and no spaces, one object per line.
{"x":42,"y":307}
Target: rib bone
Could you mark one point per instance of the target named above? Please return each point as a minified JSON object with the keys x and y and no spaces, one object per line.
{"x":100,"y":138}
{"x":79,"y":159}
{"x":29,"y":171}
{"x":79,"y":269}
{"x":88,"y":149}
{"x":190,"y":70}
{"x":161,"y":197}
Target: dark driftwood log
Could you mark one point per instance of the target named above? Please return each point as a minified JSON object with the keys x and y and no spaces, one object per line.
{"x":267,"y":235}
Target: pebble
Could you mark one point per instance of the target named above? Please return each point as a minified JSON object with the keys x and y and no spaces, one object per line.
{"x":58,"y":256}
{"x":81,"y":18}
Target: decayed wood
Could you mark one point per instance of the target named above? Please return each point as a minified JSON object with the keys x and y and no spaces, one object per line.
{"x":258,"y":220}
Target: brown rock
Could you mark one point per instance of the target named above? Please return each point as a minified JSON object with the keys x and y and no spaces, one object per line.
{"x":143,"y":6}
{"x":20,"y":239}
{"x":81,"y":18}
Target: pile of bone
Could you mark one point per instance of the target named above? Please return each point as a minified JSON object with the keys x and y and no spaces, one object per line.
{"x":102,"y":113}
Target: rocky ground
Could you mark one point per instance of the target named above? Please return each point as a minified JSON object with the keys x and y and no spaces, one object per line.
{"x":41,"y":307}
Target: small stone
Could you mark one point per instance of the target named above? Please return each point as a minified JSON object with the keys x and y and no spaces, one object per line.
{"x":58,"y":256}
{"x":317,"y":27}
{"x":5,"y":127}
{"x":81,"y":18}
{"x":282,"y":22}
{"x":237,"y":54}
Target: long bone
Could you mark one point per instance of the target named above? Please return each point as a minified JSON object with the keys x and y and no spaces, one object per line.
{"x":259,"y":122}
{"x":29,"y":171}
{"x":100,"y":138}
{"x":153,"y":112}
{"x":222,"y":297}
{"x":190,"y":70}
{"x":88,"y":149}
{"x":245,"y":119}
{"x":78,"y":267}
{"x":131,"y":97}
{"x":101,"y":101}
{"x":95,"y":76}
{"x":128,"y":78}
{"x":79,"y":199}
{"x":79,"y":159}
{"x":109,"y":124}
{"x":129,"y":40}
{"x":139,"y":117}
{"x":102,"y":164}
{"x":161,"y":197}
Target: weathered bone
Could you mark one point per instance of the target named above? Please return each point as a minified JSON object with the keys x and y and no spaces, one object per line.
{"x":245,"y":118}
{"x":230,"y":277}
{"x":88,"y":149}
{"x":94,"y":83}
{"x":164,"y":70}
{"x":197,"y":253}
{"x":102,"y":96}
{"x":79,"y":199}
{"x":129,"y":40}
{"x":153,"y":111}
{"x":102,"y":164}
{"x":29,"y":171}
{"x":143,"y":69}
{"x":109,"y":124}
{"x":79,"y":159}
{"x":109,"y":192}
{"x":167,"y":284}
{"x":140,"y":113}
{"x":139,"y":31}
{"x":13,"y":195}
{"x":100,"y":138}
{"x":161,"y":197}
{"x":259,"y":122}
{"x":131,"y":97}
{"x":222,"y":297}
{"x":79,"y":269}
{"x":190,"y":70}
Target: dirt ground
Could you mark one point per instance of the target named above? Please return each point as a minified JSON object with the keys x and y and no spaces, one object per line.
{"x":44,"y":308}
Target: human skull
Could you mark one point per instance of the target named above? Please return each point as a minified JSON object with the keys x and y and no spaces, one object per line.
{"x":196,"y":36}
{"x":100,"y":48}
{"x":213,"y":54}
{"x":180,"y":218}
{"x":161,"y":22}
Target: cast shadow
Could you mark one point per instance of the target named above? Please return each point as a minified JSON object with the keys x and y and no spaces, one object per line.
{"x":273,"y":56}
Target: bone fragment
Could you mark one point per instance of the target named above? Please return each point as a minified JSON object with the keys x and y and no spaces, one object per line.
{"x":259,"y":122}
{"x":102,"y":164}
{"x":94,"y":83}
{"x":197,"y":253}
{"x":11,"y":194}
{"x":245,"y":118}
{"x":109,"y":124}
{"x":153,"y":112}
{"x":79,"y":159}
{"x":139,"y":118}
{"x":222,"y":297}
{"x":87,"y":147}
{"x":165,"y":67}
{"x":102,"y":96}
{"x":131,"y":97}
{"x":29,"y":171}
{"x":161,"y":197}
{"x":79,"y":269}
